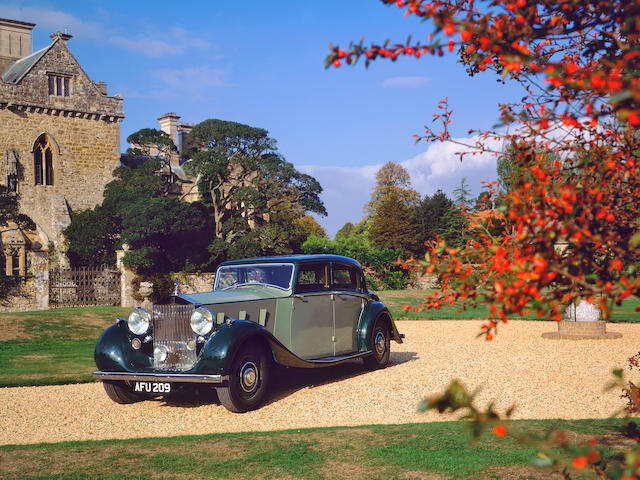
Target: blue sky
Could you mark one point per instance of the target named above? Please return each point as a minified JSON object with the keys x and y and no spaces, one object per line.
{"x":262,"y":63}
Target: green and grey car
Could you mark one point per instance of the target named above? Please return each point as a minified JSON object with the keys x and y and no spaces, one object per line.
{"x":304,"y":311}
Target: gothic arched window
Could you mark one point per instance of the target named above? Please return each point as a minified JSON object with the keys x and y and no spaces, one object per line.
{"x":43,"y":161}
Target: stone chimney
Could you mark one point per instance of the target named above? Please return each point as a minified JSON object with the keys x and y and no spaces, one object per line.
{"x":62,"y":36}
{"x":15,"y":41}
{"x":102,"y":86}
{"x":168,"y":124}
{"x":183,"y":131}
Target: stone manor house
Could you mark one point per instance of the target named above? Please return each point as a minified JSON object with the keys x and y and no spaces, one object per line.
{"x":59,"y":141}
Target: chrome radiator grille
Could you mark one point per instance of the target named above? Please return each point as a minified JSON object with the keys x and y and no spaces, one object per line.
{"x":172,"y":329}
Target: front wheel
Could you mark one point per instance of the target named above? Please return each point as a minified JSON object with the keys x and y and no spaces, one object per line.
{"x":248,"y":381}
{"x":120,"y":394}
{"x":380,"y":345}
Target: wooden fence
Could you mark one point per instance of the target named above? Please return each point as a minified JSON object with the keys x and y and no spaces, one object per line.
{"x":85,"y":286}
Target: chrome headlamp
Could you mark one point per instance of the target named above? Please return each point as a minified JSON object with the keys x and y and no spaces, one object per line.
{"x":139,"y":321}
{"x":202,"y":321}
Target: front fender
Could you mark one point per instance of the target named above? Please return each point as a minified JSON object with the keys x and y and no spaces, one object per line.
{"x":113,"y":352}
{"x":219,"y":351}
{"x":368,"y":317}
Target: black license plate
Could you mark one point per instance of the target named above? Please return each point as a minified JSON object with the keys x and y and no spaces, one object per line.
{"x":152,"y":387}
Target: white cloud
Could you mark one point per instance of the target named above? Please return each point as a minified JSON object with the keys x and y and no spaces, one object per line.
{"x":194,"y":82}
{"x":176,"y":41}
{"x":158,"y":44}
{"x":53,"y":20}
{"x":405,"y":81}
{"x":347,"y":189}
{"x":149,"y":46}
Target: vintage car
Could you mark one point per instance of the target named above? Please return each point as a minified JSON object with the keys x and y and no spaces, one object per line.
{"x":304,"y":311}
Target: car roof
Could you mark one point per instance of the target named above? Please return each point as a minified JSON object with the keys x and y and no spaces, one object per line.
{"x":296,"y":259}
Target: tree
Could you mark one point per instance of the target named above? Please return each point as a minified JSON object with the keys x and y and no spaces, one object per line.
{"x":389,"y":222}
{"x":310,"y":226}
{"x":437,"y":216}
{"x":462,"y":194}
{"x":136,"y":211}
{"x":578,"y":63}
{"x":246,"y":178}
{"x":392,"y":226}
{"x":391,"y":178}
{"x":149,"y":143}
{"x":346,"y":230}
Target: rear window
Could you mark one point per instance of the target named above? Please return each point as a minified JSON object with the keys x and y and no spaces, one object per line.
{"x":345,"y":278}
{"x":312,"y":277}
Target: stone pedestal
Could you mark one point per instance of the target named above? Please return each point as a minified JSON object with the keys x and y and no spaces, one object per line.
{"x":126,"y":281}
{"x":582,"y":322}
{"x":582,"y":331}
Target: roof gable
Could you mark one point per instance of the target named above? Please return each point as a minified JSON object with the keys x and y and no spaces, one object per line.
{"x":18,"y":69}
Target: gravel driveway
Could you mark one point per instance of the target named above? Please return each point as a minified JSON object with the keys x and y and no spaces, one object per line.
{"x":544,"y":378}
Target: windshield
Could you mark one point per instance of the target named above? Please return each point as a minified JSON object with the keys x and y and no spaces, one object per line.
{"x":273,"y":274}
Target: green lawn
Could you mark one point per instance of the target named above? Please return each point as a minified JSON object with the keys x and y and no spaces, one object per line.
{"x":51,"y":347}
{"x":415,"y":451}
{"x":396,"y":299}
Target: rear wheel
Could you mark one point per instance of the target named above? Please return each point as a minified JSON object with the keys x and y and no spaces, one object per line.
{"x":248,"y":381}
{"x":380,"y":345}
{"x":119,"y":393}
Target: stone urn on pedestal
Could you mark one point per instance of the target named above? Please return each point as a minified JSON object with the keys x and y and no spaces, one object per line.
{"x":145,"y":291}
{"x":582,"y":321}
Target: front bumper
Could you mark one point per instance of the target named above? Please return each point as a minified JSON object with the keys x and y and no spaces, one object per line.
{"x":161,"y":377}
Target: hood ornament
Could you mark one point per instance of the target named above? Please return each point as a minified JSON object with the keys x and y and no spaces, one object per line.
{"x":176,"y":290}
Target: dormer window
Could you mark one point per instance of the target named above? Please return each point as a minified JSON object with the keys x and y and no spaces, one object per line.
{"x":59,"y":85}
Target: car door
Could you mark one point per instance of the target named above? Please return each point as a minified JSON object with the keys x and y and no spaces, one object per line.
{"x":312,"y":316}
{"x":348,"y":304}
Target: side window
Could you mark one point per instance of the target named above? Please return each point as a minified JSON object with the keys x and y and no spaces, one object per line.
{"x":312,"y":277}
{"x":345,"y":278}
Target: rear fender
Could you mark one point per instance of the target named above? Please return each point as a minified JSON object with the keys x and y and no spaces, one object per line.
{"x":372,"y":311}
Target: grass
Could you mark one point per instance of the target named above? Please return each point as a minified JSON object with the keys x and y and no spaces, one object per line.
{"x":396,"y":299}
{"x":51,"y":347}
{"x":413,"y":451}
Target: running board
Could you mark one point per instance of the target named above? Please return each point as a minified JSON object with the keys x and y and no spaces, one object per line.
{"x":160,"y":377}
{"x":339,"y":359}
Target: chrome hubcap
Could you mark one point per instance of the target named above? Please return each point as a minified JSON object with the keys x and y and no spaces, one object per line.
{"x":249,"y":377}
{"x":379,"y":343}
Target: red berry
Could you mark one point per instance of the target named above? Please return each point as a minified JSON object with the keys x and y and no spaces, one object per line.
{"x":337,"y":63}
{"x":499,"y":430}
{"x":580,"y":462}
{"x":449,"y":29}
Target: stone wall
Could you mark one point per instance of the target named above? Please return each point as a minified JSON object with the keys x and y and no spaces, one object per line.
{"x":194,"y":282}
{"x":83,"y":129}
{"x":34,"y":293}
{"x":189,"y":282}
{"x":86,"y":156}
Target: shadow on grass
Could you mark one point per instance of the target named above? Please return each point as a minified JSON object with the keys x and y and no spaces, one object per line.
{"x":284,"y":381}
